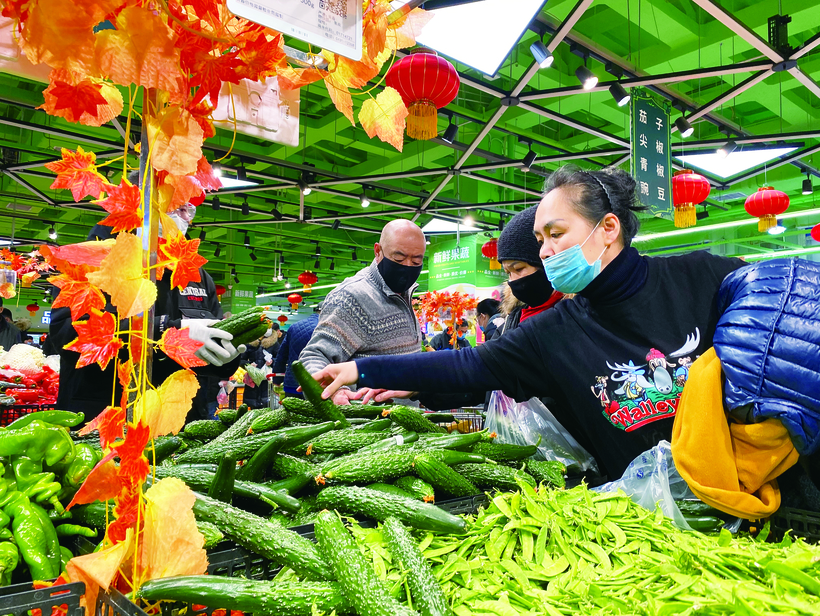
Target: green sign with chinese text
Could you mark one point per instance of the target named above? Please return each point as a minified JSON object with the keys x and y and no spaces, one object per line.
{"x":651,"y":161}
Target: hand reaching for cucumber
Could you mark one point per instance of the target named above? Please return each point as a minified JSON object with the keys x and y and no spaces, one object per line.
{"x":366,"y":394}
{"x":216,"y":348}
{"x":332,"y":377}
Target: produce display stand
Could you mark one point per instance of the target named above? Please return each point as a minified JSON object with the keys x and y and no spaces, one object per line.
{"x":13,"y":412}
{"x":21,"y":599}
{"x":800,"y":522}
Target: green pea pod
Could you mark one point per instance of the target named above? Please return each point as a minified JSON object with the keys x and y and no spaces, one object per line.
{"x":66,"y":419}
{"x":794,"y":575}
{"x":69,"y":530}
{"x":9,"y":559}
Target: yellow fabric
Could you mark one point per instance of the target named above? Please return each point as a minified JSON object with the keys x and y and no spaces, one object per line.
{"x":730,"y":466}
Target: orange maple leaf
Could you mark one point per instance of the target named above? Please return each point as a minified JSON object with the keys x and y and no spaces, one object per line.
{"x":98,"y":569}
{"x":96,"y":339}
{"x":142,"y":51}
{"x":164,"y":410}
{"x":109,"y":423}
{"x":133,"y":463}
{"x":126,"y":511}
{"x":184,"y":261}
{"x":205,"y":175}
{"x":176,"y":141}
{"x":375,"y":26}
{"x":385,"y":116}
{"x":121,"y":276}
{"x":403,"y":33}
{"x":202,"y":112}
{"x":177,"y":190}
{"x":344,"y":74}
{"x":28,"y":278}
{"x":79,"y":295}
{"x":124,"y":371}
{"x":261,"y":57}
{"x":123,"y":205}
{"x":177,"y":344}
{"x":83,"y":256}
{"x":7,"y":290}
{"x":78,"y":172}
{"x":135,"y":340}
{"x":89,"y":101}
{"x":101,"y":484}
{"x":294,"y":78}
{"x":60,"y":34}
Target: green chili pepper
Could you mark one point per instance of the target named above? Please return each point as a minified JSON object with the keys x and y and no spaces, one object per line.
{"x":68,"y":530}
{"x":65,"y":556}
{"x":85,"y":459}
{"x":32,"y":481}
{"x":55,"y":418}
{"x":9,"y":559}
{"x":38,"y":441}
{"x":36,"y":547}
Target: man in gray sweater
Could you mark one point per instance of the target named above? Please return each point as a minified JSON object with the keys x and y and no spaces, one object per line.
{"x":371,"y":313}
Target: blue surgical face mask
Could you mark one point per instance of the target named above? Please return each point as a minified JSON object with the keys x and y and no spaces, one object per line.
{"x":569,"y":271}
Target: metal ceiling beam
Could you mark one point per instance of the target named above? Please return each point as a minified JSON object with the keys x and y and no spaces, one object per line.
{"x":807,"y":47}
{"x":502,"y":184}
{"x":807,"y":81}
{"x":748,"y":139}
{"x":732,"y":92}
{"x":728,"y":20}
{"x":664,"y":78}
{"x":586,"y":128}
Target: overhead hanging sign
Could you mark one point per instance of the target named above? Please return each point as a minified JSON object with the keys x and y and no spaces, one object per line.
{"x":259,"y":109}
{"x":335,"y":25}
{"x":651,"y":161}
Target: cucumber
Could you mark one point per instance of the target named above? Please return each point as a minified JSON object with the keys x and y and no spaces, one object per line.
{"x":241,"y":322}
{"x":92,"y":515}
{"x":440,"y":417}
{"x":427,"y":592}
{"x":369,"y":467}
{"x":164,"y":448}
{"x":304,"y":420}
{"x":252,"y":334}
{"x":249,"y":596}
{"x":489,"y":476}
{"x":300,"y":406}
{"x":241,"y":410}
{"x":378,"y":505}
{"x":362,"y":410}
{"x":313,"y":394}
{"x":417,"y":488}
{"x":284,"y":466}
{"x":451,"y":457}
{"x":343,"y":441}
{"x":222,"y":486}
{"x":504,"y":453}
{"x":202,"y":480}
{"x":267,"y":539}
{"x":389,"y":489}
{"x":227,"y":416}
{"x":255,"y":468}
{"x":391,"y":442}
{"x":360,"y":584}
{"x":205,"y":429}
{"x":213,"y":536}
{"x":274,"y":418}
{"x":291,"y":485}
{"x":240,"y":426}
{"x":375,"y":425}
{"x":411,"y":419}
{"x":550,"y":471}
{"x":442,"y":477}
{"x":451,"y":441}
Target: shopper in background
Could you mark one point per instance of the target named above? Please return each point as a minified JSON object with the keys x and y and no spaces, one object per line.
{"x":294,"y":340}
{"x":9,"y":333}
{"x":488,"y":317}
{"x":608,"y":355}
{"x":371,"y":313}
{"x":443,"y":341}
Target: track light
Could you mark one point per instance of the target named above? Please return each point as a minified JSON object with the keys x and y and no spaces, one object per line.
{"x":281,"y":258}
{"x":727,"y":148}
{"x":287,"y":285}
{"x":218,"y":251}
{"x":468,"y":221}
{"x":336,"y":224}
{"x":215,"y":204}
{"x":318,"y":250}
{"x":363,"y":199}
{"x":354,"y":257}
{"x":702,"y":215}
{"x":332,"y":265}
{"x":253,"y":256}
{"x":586,"y":77}
{"x":620,"y":95}
{"x":202,"y":234}
{"x":807,"y":187}
{"x":277,"y":215}
{"x":501,"y":223}
{"x":245,"y":207}
{"x":236,"y":279}
{"x":52,"y":233}
{"x":241,"y":174}
{"x":247,"y":240}
{"x":541,"y":54}
{"x":304,"y":188}
{"x":684,"y":127}
{"x":451,"y":132}
{"x":317,"y":265}
{"x":529,"y":159}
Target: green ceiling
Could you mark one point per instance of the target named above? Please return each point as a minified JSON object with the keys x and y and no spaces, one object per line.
{"x":643,"y":38}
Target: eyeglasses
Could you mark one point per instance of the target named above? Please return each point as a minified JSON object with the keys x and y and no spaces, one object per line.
{"x":187,"y":212}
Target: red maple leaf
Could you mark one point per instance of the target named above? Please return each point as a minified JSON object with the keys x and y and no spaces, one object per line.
{"x":110,"y":424}
{"x":123,"y":207}
{"x":209,"y":68}
{"x":102,"y":483}
{"x":184,"y":260}
{"x":78,"y":172}
{"x":261,"y":57}
{"x":96,"y":340}
{"x":128,"y":501}
{"x":89,"y":101}
{"x":205,"y":175}
{"x":202,"y":112}
{"x":133,"y":463}
{"x":79,"y":295}
{"x":124,"y":374}
{"x":177,"y":345}
{"x":135,"y":340}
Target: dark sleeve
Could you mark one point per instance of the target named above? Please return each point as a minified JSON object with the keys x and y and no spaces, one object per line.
{"x":445,"y":402}
{"x":441,"y":372}
{"x":437,"y":342}
{"x":281,"y":360}
{"x":212,"y":304}
{"x":60,"y":329}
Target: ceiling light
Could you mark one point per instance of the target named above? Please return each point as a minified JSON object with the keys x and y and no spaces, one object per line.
{"x":451,"y":132}
{"x":428,"y":242}
{"x":620,"y":95}
{"x":738,"y":162}
{"x":727,"y":148}
{"x":336,"y":224}
{"x":776,"y":254}
{"x":52,"y":233}
{"x":287,"y":285}
{"x":241,"y":174}
{"x":245,"y":207}
{"x":684,"y":127}
{"x":218,"y":251}
{"x":281,"y":258}
{"x":438,"y":226}
{"x":216,"y":170}
{"x":528,"y":161}
{"x":586,"y":77}
{"x":318,"y":250}
{"x":778,"y":229}
{"x":215,"y":204}
{"x":202,"y":234}
{"x":469,"y":221}
{"x":304,"y":188}
{"x":253,"y":256}
{"x":807,"y":187}
{"x":247,"y":240}
{"x":364,"y":200}
{"x":332,"y":265}
{"x":541,"y":54}
{"x":230,"y":182}
{"x":317,"y":264}
{"x":236,"y":279}
{"x":354,"y":257}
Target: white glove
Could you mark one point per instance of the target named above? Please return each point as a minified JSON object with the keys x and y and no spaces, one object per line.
{"x":216,"y":347}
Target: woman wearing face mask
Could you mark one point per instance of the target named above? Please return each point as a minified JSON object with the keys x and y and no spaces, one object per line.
{"x":609,"y":355}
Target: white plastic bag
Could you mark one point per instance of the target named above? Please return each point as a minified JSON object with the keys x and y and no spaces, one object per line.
{"x":522,"y":423}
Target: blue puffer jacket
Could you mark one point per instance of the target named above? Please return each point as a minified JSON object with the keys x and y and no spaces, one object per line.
{"x":768,"y":340}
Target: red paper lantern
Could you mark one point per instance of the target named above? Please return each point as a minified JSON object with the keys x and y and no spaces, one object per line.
{"x":294,"y":299}
{"x":308,"y":279}
{"x":426,"y":83}
{"x":220,"y":290}
{"x":767,"y":204}
{"x":33,"y":308}
{"x":282,"y":319}
{"x":815,"y":233}
{"x":688,"y":190}
{"x":490,"y":250}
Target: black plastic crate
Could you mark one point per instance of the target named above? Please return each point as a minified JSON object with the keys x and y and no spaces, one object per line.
{"x":20,"y":599}
{"x":14,"y":412}
{"x":468,"y":505}
{"x":114,"y":603}
{"x":800,"y":522}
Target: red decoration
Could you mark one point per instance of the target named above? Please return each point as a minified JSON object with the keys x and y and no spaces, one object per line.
{"x":294,"y":299}
{"x":33,"y":308}
{"x":767,"y":203}
{"x":282,"y":319}
{"x":815,"y":233}
{"x":308,"y":279}
{"x":490,"y":250}
{"x":446,"y":309}
{"x":688,"y":190}
{"x":220,"y":290}
{"x":426,"y":83}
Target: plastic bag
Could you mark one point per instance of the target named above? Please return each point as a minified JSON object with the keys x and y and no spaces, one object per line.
{"x":222,"y":397}
{"x":521,"y":423}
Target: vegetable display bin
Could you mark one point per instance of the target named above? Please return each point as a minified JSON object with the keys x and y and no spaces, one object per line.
{"x":21,"y":599}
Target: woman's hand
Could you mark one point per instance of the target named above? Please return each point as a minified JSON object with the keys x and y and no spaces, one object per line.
{"x":332,"y":377}
{"x":366,"y":394}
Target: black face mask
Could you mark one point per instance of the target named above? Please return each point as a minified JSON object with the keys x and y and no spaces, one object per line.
{"x":397,"y":276}
{"x":533,"y":289}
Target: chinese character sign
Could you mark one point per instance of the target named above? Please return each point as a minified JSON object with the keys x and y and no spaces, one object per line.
{"x":651,"y":159}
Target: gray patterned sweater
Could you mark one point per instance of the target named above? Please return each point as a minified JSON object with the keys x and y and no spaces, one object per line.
{"x":362,"y":317}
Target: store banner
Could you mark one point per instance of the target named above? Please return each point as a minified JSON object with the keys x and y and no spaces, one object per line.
{"x":453,"y":263}
{"x":651,"y":160}
{"x":238,"y":298}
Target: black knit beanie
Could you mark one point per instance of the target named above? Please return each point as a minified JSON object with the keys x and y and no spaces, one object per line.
{"x":517,"y":241}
